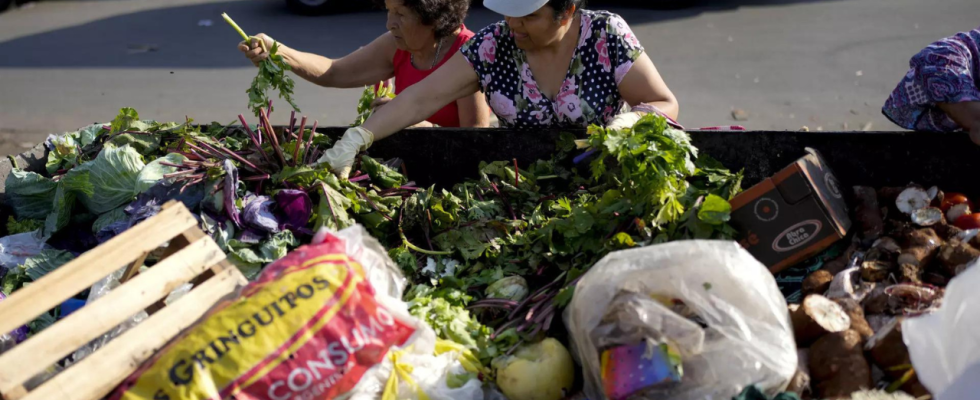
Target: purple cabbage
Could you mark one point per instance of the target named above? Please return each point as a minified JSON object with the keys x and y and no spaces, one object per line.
{"x":110,"y":231}
{"x":258,"y":214}
{"x":149,"y":204}
{"x":295,"y":207}
{"x":231,"y":185}
{"x":18,"y":335}
{"x":251,"y":236}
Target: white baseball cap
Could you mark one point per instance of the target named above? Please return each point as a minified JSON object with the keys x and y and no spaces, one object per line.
{"x":514,"y":8}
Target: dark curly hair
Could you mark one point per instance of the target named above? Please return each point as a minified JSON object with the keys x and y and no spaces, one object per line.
{"x":561,"y":6}
{"x":446,"y":16}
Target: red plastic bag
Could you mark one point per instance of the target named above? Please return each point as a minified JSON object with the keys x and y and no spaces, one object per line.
{"x":309,"y":328}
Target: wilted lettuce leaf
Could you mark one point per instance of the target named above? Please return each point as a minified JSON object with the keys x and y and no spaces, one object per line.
{"x":23,"y":226}
{"x":381,"y":175}
{"x":29,"y":194}
{"x":153,"y":172}
{"x":48,"y":260}
{"x":88,"y":134}
{"x":251,"y":259}
{"x":303,"y":175}
{"x":63,"y":203}
{"x":108,"y":181}
{"x":64,"y":152}
{"x":715,"y":210}
{"x":126,"y":117}
{"x":144,"y":144}
{"x":13,"y":280}
{"x":222,"y":233}
{"x":332,"y":210}
{"x":451,"y":320}
{"x":405,"y":259}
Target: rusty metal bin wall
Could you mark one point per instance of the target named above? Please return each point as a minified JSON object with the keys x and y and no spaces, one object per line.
{"x":877,"y":159}
{"x":445,"y":156}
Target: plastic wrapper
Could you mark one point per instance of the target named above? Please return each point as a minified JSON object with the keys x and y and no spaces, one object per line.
{"x":323,"y":322}
{"x":99,"y":290}
{"x":682,"y":320}
{"x":16,"y":249}
{"x":944,"y":346}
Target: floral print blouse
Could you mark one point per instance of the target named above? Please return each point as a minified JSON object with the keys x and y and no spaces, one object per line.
{"x":589,"y":95}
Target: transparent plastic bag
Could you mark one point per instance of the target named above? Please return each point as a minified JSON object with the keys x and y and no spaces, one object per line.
{"x":708,"y":306}
{"x":945,"y":346}
{"x":381,"y":271}
{"x":16,"y":249}
{"x":99,"y":290}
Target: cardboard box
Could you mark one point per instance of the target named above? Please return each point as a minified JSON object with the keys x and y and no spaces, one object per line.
{"x":793,"y":215}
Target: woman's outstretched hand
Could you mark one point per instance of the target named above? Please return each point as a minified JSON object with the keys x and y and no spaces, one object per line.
{"x":257,"y":48}
{"x":341,"y":156}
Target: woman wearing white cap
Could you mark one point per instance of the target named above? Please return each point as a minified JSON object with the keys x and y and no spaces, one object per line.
{"x":548,"y":64}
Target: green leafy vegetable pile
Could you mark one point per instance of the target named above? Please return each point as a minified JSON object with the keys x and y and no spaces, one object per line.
{"x":492,"y":260}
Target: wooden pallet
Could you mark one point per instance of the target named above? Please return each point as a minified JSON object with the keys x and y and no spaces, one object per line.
{"x":190,"y":257}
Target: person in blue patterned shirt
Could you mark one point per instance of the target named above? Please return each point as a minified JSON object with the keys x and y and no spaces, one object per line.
{"x":941,"y":91}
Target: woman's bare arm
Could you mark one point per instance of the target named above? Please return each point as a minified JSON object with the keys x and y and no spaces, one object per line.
{"x":474,"y":112}
{"x":967,"y":115}
{"x":454,"y":80}
{"x":365,"y":66}
{"x":643,"y":85}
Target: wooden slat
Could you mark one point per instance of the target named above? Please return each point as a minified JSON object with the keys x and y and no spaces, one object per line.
{"x":134,"y":268}
{"x":29,"y":302}
{"x":16,"y":393}
{"x":33,"y":356}
{"x":100,"y":373}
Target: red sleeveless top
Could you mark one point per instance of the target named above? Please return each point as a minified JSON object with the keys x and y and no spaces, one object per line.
{"x":407,"y":75}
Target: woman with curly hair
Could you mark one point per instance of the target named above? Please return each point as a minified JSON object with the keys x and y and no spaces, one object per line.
{"x":422,"y":36}
{"x":549,"y":64}
{"x":941,"y":91}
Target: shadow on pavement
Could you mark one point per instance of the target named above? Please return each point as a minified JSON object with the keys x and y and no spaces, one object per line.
{"x":173,"y":37}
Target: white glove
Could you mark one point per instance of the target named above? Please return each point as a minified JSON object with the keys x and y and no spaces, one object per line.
{"x":341,"y":155}
{"x":625,"y":120}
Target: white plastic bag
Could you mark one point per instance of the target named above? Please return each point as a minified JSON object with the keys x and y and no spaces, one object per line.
{"x":945,"y":345}
{"x":421,"y":371}
{"x":664,"y":294}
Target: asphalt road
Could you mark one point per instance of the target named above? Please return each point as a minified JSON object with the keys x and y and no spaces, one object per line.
{"x":777,"y":64}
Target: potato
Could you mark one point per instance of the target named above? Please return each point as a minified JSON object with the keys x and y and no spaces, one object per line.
{"x":858,"y":323}
{"x":816,"y":317}
{"x":818,"y":282}
{"x":920,"y":247}
{"x":838,"y":366}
